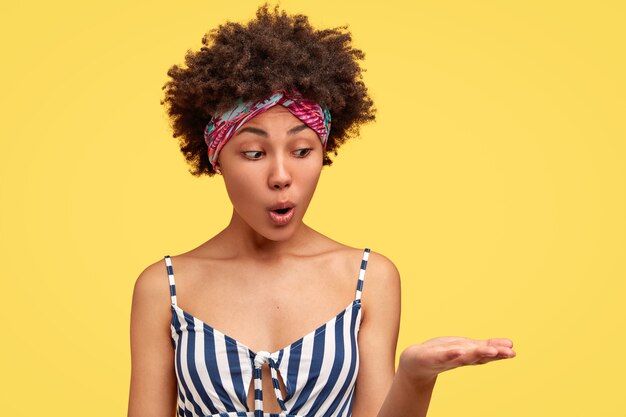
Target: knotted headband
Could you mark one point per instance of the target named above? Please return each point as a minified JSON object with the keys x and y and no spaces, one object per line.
{"x":222,"y":127}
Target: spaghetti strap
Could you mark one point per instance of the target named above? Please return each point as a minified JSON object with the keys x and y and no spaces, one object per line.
{"x":359,"y":286}
{"x":231,"y":368}
{"x":170,"y":275}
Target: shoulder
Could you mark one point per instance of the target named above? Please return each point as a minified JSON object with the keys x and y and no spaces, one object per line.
{"x":381,"y":270}
{"x":153,"y":380}
{"x":152,"y":278}
{"x":378,"y":333}
{"x":381,"y":290}
{"x":151,"y":292}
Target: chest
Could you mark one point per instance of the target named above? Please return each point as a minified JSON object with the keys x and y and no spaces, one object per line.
{"x":290,"y":378}
{"x":313,"y":373}
{"x":267,"y":312}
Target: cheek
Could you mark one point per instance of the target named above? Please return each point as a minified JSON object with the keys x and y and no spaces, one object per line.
{"x":242,"y":191}
{"x":307,"y":185}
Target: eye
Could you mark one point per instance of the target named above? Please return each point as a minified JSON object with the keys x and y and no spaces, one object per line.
{"x":245,"y":153}
{"x":307,"y":151}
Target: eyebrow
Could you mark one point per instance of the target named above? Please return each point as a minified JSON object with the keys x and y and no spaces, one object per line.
{"x":263,"y":133}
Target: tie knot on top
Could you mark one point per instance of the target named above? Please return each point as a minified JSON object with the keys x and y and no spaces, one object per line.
{"x":260,"y":358}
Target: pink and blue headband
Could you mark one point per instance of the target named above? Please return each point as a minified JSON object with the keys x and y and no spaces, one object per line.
{"x":221,"y":128}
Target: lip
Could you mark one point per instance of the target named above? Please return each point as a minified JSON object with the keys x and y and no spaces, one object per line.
{"x":282,"y":219}
{"x":282,"y":205}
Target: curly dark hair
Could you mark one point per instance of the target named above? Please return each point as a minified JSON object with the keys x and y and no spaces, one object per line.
{"x":274,"y":51}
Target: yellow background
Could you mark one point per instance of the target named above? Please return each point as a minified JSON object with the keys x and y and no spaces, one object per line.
{"x":494,"y":178}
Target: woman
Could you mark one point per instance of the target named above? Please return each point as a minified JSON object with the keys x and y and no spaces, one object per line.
{"x":263,"y":105}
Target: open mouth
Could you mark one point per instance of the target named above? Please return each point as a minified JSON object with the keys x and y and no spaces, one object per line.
{"x":282,"y":211}
{"x":281,"y":216}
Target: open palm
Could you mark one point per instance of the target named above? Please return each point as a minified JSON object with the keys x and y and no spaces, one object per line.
{"x":427,"y":359}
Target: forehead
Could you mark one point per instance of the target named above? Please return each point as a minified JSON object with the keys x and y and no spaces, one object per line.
{"x":277,"y":112}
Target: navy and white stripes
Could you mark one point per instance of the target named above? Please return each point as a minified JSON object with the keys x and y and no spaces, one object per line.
{"x":259,"y":359}
{"x":359,"y":287}
{"x":214,"y":371}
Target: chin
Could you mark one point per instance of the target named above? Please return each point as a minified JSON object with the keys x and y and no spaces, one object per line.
{"x":279,"y":234}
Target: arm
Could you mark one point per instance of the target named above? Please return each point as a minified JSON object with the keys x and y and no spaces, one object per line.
{"x":377,"y":382}
{"x":153,"y":381}
{"x":420,"y":364}
{"x":381,"y":391}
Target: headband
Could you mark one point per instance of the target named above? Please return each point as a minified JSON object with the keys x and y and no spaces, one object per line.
{"x":222,"y":127}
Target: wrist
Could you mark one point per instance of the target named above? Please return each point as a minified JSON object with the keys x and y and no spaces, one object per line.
{"x":416,"y":382}
{"x":412,"y":371}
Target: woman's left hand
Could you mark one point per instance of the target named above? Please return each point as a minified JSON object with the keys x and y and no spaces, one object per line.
{"x":424,"y":361}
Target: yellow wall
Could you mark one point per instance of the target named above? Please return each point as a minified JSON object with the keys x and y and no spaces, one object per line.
{"x":494,"y":178}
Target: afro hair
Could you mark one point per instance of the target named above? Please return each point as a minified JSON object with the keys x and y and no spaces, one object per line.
{"x":274,"y":51}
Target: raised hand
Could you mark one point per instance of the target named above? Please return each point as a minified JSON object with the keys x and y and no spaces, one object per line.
{"x":426,"y":360}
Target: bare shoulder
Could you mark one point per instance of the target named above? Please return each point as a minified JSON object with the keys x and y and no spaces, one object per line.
{"x":382,"y":275}
{"x":382,"y":285}
{"x":151,"y":297}
{"x":153,"y":381}
{"x":378,"y":334}
{"x":382,"y":271}
{"x":381,"y":263}
{"x":152,"y":285}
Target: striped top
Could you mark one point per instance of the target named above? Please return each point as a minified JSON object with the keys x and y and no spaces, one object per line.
{"x":214,"y":371}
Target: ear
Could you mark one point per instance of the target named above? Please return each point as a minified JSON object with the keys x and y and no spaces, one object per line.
{"x":217,"y":168}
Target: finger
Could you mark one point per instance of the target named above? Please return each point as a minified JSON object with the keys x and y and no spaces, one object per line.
{"x":500,"y":341}
{"x":488,"y":351}
{"x":486,"y":360}
{"x":504,"y":353}
{"x":474,"y":355}
{"x":479,"y":354}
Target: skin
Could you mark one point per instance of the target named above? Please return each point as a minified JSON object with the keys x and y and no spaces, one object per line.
{"x":249,"y":265}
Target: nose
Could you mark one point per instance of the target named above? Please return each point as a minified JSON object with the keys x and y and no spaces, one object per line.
{"x":280,"y":176}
